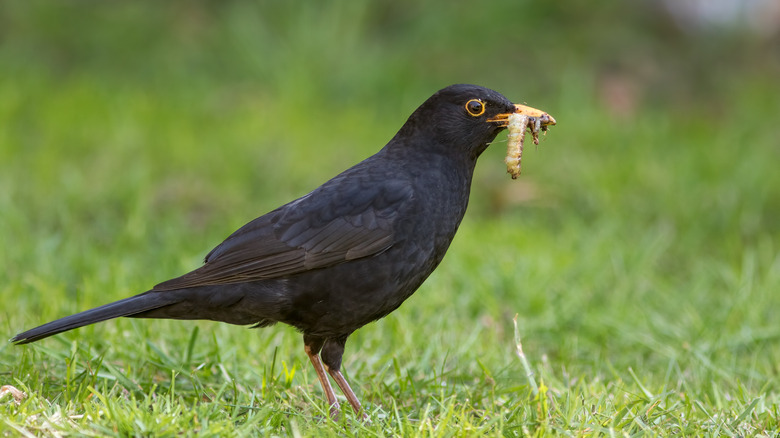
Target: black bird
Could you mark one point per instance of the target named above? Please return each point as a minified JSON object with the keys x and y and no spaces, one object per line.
{"x":348,"y":253}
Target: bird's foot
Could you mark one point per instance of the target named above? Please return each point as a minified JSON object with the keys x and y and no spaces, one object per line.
{"x":335,"y":411}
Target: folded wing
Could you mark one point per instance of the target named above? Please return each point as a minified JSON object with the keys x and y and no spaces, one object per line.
{"x":338,"y":222}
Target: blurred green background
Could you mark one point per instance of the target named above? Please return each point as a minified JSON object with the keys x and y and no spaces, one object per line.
{"x":643,"y":234}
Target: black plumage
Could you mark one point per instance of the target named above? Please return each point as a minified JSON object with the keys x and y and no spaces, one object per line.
{"x":346,"y":254}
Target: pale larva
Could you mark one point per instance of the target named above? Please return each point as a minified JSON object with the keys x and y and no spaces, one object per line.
{"x":514,"y":147}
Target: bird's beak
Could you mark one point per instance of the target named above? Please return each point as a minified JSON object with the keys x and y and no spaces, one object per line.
{"x":533,"y":114}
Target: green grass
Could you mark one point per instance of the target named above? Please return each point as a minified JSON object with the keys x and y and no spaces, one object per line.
{"x":640,"y":252}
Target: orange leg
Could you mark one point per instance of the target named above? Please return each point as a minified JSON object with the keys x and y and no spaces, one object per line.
{"x":331,"y":396}
{"x":351,"y":397}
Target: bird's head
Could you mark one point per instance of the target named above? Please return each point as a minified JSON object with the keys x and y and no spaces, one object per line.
{"x":466,"y":117}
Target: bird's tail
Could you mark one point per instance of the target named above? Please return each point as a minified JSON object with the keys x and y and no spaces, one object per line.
{"x":127,"y":307}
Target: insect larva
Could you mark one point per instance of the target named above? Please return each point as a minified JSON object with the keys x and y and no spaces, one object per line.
{"x":514,"y":147}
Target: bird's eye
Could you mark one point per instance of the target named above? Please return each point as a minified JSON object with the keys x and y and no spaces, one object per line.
{"x":475,"y":107}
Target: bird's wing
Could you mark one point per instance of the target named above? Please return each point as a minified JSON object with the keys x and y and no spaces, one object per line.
{"x":347,"y":218}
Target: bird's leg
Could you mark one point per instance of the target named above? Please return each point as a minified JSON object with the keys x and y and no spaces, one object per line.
{"x":332,"y":352}
{"x":312,"y":346}
{"x":351,"y":397}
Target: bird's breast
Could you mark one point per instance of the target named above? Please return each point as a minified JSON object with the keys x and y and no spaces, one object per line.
{"x":344,"y":297}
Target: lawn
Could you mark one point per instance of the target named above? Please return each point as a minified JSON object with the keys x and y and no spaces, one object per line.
{"x":639,"y":249}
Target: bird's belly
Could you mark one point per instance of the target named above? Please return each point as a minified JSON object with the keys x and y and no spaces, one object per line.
{"x":340,"y":299}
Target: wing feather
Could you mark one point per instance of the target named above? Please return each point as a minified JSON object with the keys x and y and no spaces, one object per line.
{"x":346,"y":219}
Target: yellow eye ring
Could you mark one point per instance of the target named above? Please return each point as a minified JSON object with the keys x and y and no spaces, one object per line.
{"x":475,"y":107}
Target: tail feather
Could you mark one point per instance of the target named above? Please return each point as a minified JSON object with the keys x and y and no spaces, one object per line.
{"x":127,"y":307}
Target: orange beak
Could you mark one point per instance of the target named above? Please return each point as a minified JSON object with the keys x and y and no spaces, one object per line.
{"x":532,"y":113}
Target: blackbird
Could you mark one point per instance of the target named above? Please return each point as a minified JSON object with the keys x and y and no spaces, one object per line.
{"x":346,"y":254}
